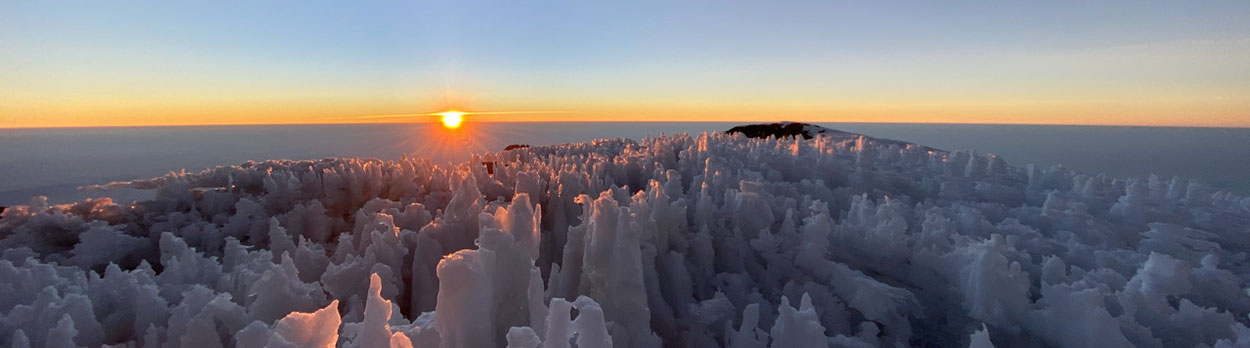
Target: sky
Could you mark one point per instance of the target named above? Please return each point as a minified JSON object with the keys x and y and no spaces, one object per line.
{"x":102,"y":63}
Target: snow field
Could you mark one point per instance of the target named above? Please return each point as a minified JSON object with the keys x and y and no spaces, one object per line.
{"x":697,"y":241}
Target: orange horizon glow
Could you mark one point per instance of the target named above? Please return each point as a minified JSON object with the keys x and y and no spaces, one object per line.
{"x":1149,"y":114}
{"x":1218,"y":110}
{"x":492,"y":105}
{"x":637,"y":119}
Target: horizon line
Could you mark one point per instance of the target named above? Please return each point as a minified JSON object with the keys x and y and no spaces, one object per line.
{"x":7,"y":128}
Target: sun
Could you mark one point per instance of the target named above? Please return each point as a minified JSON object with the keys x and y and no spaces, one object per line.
{"x":452,"y":118}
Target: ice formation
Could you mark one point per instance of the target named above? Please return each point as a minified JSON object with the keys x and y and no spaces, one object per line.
{"x":688,"y":241}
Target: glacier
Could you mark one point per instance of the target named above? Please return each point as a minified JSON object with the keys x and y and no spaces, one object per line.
{"x":707,"y":240}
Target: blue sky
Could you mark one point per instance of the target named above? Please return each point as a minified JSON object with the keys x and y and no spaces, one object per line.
{"x":1159,"y":62}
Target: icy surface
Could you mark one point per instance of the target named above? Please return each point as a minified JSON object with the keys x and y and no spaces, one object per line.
{"x":699,"y":241}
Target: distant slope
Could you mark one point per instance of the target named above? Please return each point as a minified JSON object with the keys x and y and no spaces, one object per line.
{"x":808,"y":131}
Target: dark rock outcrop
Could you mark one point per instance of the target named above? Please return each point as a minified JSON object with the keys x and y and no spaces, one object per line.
{"x":808,"y":131}
{"x":779,"y":130}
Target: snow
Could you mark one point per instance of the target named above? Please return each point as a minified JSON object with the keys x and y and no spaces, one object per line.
{"x":702,"y":241}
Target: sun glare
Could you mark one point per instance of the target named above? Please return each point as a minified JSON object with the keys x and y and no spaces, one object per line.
{"x":452,"y":119}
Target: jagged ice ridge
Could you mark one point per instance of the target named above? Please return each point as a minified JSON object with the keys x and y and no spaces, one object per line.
{"x":698,"y":241}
